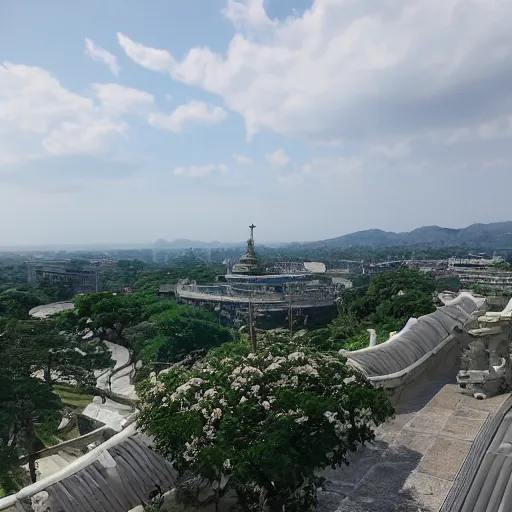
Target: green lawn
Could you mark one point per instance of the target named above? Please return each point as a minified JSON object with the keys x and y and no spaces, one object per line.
{"x":73,"y":396}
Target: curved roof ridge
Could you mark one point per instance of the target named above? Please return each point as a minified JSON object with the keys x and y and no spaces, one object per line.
{"x":419,"y":339}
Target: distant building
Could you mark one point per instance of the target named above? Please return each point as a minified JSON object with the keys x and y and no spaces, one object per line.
{"x":276,"y":297}
{"x":81,"y":281}
{"x":480,"y":271}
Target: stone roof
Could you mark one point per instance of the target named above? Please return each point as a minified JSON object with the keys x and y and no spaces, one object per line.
{"x":419,"y":338}
{"x":114,"y":477}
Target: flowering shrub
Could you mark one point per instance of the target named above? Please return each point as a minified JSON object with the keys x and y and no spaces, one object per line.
{"x":265,"y":422}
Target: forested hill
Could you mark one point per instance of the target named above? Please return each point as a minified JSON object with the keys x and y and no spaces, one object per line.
{"x":497,"y":235}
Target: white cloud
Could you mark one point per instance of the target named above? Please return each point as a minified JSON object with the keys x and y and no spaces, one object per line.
{"x":117,"y":98}
{"x":194,"y":111}
{"x":248,"y":13}
{"x":326,"y":166}
{"x":243,"y":160}
{"x":149,"y":58}
{"x":200,"y":171}
{"x":81,"y":138}
{"x":322,"y":169}
{"x":278,"y":158}
{"x":99,"y":54}
{"x":355,"y":69}
{"x":395,"y":150}
{"x":40,"y":118}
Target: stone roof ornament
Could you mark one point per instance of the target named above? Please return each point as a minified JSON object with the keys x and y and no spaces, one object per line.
{"x":249,"y":263}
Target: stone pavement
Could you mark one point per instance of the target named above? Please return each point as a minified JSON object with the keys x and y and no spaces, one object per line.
{"x":413,"y":462}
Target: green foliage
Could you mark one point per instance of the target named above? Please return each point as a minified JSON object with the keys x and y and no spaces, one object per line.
{"x":122,"y":274}
{"x":268,"y":421}
{"x":17,"y":302}
{"x":385,"y":305}
{"x":502,"y":265}
{"x":34,"y":356}
{"x":181,"y":330}
{"x":28,"y":409}
{"x":110,"y":311}
{"x":387,"y":285}
{"x":480,"y":289}
{"x":150,"y":280}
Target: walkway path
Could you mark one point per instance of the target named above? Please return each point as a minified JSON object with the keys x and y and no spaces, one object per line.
{"x":413,"y":462}
{"x":112,"y":413}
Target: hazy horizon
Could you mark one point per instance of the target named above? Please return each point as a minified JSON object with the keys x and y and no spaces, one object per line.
{"x":149,"y":245}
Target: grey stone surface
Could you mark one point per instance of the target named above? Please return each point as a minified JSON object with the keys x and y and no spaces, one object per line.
{"x":416,"y":455}
{"x":444,"y":458}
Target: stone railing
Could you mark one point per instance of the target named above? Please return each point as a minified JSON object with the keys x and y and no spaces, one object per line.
{"x":485,"y":364}
{"x":425,"y":346}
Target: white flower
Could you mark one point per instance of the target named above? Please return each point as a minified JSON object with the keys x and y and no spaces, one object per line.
{"x":236,"y":371}
{"x":306,"y":369}
{"x":183,"y":388}
{"x":273,"y":366}
{"x":295,"y":355}
{"x":217,"y":414}
{"x":252,"y":369}
{"x":255,"y":389}
{"x":331,"y":416}
{"x":348,"y":380}
{"x":301,"y":420}
{"x":210,"y":392}
{"x":252,"y":356}
{"x":227,"y":464}
{"x":152,"y":377}
{"x":193,"y":382}
{"x":243,"y":400}
{"x":223,"y":402}
{"x":265,"y":405}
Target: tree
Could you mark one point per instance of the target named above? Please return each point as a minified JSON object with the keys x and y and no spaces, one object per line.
{"x":27,"y":407}
{"x":266,"y":423}
{"x":387,"y":285}
{"x":57,"y":357}
{"x":181,"y":330}
{"x":16,"y":303}
{"x":112,"y":311}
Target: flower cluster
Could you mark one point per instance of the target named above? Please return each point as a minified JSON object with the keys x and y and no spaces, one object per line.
{"x":234,"y":413}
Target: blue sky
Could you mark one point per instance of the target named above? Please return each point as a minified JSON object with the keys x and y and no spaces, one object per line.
{"x":128,"y":121}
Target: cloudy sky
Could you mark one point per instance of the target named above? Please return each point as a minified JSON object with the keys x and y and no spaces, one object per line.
{"x":130,"y":120}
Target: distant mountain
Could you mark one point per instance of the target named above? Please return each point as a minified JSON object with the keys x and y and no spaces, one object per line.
{"x":495,"y":235}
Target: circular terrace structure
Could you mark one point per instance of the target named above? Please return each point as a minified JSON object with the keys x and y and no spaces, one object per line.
{"x":274,"y":297}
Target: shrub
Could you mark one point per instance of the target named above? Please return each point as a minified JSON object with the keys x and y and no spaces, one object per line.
{"x":265,"y":422}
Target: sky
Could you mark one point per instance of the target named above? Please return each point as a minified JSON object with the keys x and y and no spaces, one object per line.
{"x":127,"y":120}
